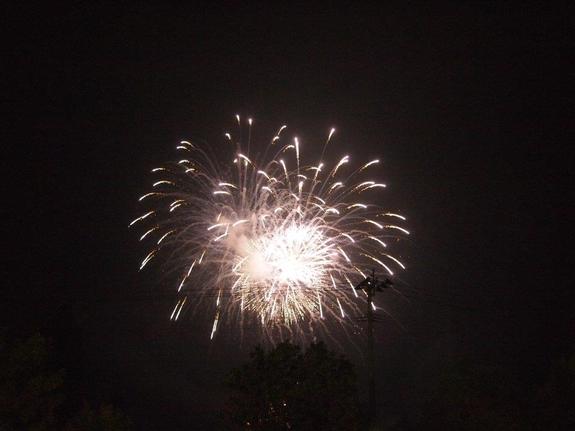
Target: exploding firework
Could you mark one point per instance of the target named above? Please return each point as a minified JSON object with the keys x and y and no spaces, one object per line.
{"x":273,"y":240}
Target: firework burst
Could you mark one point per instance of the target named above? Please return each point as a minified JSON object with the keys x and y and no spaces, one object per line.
{"x":272,"y":240}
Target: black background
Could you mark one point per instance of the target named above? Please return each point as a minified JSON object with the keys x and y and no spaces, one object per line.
{"x":468,"y":106}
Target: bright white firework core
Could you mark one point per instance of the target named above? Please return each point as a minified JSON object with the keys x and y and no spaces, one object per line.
{"x":281,"y":266}
{"x":295,"y":255}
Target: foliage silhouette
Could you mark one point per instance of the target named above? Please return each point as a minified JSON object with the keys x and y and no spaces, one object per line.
{"x":31,"y":390}
{"x":106,"y":418}
{"x":32,"y":393}
{"x":286,"y":388}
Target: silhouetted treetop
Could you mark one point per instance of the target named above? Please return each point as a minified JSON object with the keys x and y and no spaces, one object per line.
{"x":287,"y":388}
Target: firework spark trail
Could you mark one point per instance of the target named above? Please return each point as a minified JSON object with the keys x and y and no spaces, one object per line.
{"x":278,"y":245}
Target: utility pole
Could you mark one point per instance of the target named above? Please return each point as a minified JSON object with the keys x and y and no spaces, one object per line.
{"x":370,"y":354}
{"x":371,"y":285}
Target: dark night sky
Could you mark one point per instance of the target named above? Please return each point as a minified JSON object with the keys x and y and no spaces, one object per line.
{"x":467,"y":105}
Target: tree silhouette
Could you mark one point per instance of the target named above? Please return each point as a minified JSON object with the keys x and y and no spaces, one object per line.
{"x":470,"y":395}
{"x":31,"y":390}
{"x":106,"y":418}
{"x":286,"y":388}
{"x":554,"y":402}
{"x":32,"y":393}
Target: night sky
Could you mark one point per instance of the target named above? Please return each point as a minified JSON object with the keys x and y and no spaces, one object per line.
{"x":467,"y":106}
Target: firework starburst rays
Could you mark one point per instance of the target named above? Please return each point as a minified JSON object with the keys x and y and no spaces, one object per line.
{"x":266,"y":242}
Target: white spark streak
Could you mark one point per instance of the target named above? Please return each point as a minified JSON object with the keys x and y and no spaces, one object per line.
{"x":159,"y":183}
{"x":141,"y":217}
{"x":398,"y":228}
{"x":348,"y":236}
{"x":227,"y":185}
{"x":395,"y":215}
{"x":180,"y":310}
{"x":147,"y":259}
{"x":164,"y":236}
{"x":380,"y":262}
{"x":378,"y":240}
{"x":380,"y":226}
{"x":149,"y":231}
{"x":146,"y":195}
{"x":373,"y":162}
{"x":331,"y":132}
